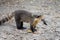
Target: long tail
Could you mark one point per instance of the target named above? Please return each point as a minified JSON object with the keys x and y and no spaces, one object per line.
{"x":6,"y":18}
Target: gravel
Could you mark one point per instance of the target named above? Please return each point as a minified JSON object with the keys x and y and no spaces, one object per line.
{"x":49,"y":8}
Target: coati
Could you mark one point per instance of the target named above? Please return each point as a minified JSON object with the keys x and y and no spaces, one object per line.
{"x":24,"y":16}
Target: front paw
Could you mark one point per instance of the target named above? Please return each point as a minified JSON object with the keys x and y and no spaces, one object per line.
{"x":32,"y":31}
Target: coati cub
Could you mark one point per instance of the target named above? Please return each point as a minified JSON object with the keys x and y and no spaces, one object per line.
{"x":24,"y":16}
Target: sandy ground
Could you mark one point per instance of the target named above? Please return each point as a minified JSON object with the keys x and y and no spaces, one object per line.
{"x":49,"y":8}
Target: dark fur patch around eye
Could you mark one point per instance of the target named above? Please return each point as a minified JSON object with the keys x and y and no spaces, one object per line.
{"x":38,"y":16}
{"x":0,"y":22}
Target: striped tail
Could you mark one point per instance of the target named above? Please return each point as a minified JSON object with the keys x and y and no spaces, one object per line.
{"x":6,"y":19}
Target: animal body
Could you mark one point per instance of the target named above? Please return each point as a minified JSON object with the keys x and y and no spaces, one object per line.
{"x":24,"y":16}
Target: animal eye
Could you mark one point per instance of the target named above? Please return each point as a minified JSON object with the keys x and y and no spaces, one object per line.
{"x":37,"y":16}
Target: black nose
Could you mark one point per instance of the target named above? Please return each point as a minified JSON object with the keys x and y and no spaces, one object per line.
{"x":44,"y":21}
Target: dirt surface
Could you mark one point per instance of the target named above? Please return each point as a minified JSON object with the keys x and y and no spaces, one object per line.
{"x":49,"y":8}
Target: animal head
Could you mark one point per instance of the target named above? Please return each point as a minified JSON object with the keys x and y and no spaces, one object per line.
{"x":40,"y":16}
{"x":37,"y":19}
